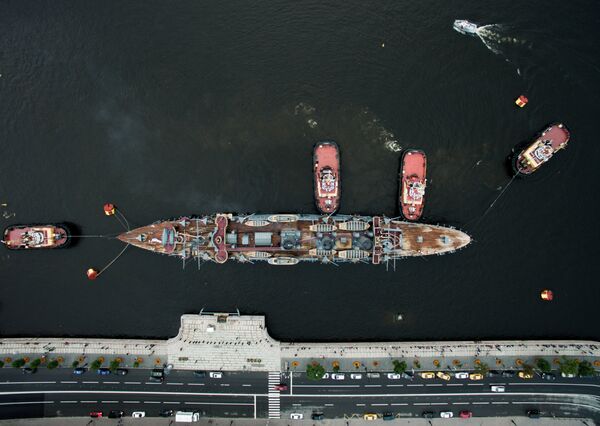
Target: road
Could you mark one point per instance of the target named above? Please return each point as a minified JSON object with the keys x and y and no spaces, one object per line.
{"x":58,"y":392}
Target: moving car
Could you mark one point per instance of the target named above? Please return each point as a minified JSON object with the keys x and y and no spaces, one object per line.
{"x":465,"y":414}
{"x":155,"y":379}
{"x":115,"y":414}
{"x":443,"y":376}
{"x":79,"y":371}
{"x":569,"y":375}
{"x":96,"y":414}
{"x":476,"y":376}
{"x":200,"y":374}
{"x":370,"y":416}
{"x":549,"y":376}
{"x":525,"y":375}
{"x":157,"y":372}
{"x":280,"y":387}
{"x":103,"y":371}
{"x":373,"y":375}
{"x":28,"y":370}
{"x":497,"y":388}
{"x":461,"y":375}
{"x":121,"y":371}
{"x":394,"y":376}
{"x":317,"y":416}
{"x":296,"y":416}
{"x":138,"y":414}
{"x":427,"y":375}
{"x":215,"y":374}
{"x":338,"y":376}
{"x":356,"y":376}
{"x":446,"y":414}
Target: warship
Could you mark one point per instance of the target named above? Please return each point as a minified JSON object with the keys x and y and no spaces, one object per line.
{"x":288,"y":239}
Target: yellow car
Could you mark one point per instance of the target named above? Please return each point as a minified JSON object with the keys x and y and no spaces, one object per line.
{"x":427,"y":375}
{"x":525,"y":375}
{"x":370,"y":416}
{"x":443,"y":376}
{"x":476,"y":376}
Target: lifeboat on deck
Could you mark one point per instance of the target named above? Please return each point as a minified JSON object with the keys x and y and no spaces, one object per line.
{"x":413,"y":181}
{"x":326,"y":168}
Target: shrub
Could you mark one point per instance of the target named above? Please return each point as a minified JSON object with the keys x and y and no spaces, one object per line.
{"x":52,"y":364}
{"x":482,"y":368}
{"x":543,"y":365}
{"x":315,"y":371}
{"x":399,"y":366}
{"x":568,"y":366}
{"x":75,"y":364}
{"x":1,"y":363}
{"x":586,"y":369}
{"x":96,"y":364}
{"x":336,"y":368}
{"x":35,"y":363}
{"x":18,"y":363}
{"x":136,"y":364}
{"x":114,"y":364}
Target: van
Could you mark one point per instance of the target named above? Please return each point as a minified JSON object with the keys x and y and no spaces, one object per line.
{"x":187,"y":417}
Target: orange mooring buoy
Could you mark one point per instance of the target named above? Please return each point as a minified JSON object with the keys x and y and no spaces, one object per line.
{"x":547,"y":295}
{"x":521,"y":101}
{"x":109,"y":209}
{"x":92,"y":274}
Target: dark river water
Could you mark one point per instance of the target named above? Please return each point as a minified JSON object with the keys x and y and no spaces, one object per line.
{"x":191,"y":107}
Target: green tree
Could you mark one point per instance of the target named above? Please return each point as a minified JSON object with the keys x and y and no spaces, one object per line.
{"x":482,"y":368}
{"x":114,"y":364}
{"x":18,"y":363}
{"x":96,"y":364}
{"x":75,"y":364}
{"x":543,"y":365}
{"x":315,"y":371}
{"x":136,"y":364}
{"x":586,"y":369}
{"x":568,"y":366}
{"x":336,"y":368}
{"x":1,"y":363}
{"x":399,"y":366}
{"x":35,"y":363}
{"x":52,"y":364}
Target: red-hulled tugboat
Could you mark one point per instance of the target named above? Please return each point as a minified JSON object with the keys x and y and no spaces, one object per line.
{"x":326,"y":160}
{"x":551,"y":140}
{"x":23,"y":237}
{"x":412,"y":184}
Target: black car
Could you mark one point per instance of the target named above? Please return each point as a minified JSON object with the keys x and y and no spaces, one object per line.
{"x":115,"y":414}
{"x":200,"y":374}
{"x":508,"y":373}
{"x":428,"y":414}
{"x":28,"y":370}
{"x":493,"y":373}
{"x":549,"y":376}
{"x":121,"y":371}
{"x":407,"y":375}
{"x":157,"y":372}
{"x":317,"y":416}
{"x":166,"y":413}
{"x":388,"y":416}
{"x":533,"y":414}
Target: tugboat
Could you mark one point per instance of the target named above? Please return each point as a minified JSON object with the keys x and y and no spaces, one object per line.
{"x":412,"y":184}
{"x":23,"y":237}
{"x":465,"y":27}
{"x":326,"y":167}
{"x":551,"y":140}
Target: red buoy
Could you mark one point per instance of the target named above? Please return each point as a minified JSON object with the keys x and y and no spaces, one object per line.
{"x":109,"y":209}
{"x":92,"y":273}
{"x":521,"y":101}
{"x":547,"y":295}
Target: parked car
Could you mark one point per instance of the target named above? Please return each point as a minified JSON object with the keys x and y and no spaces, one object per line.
{"x":103,"y":371}
{"x":115,"y":414}
{"x":428,"y":414}
{"x":446,"y":414}
{"x":497,"y":388}
{"x":356,"y":376}
{"x":465,"y":414}
{"x":549,"y":376}
{"x":493,"y":373}
{"x":28,"y":370}
{"x":476,"y":376}
{"x":296,"y":416}
{"x":121,"y":371}
{"x":200,"y":374}
{"x":443,"y":376}
{"x":525,"y":375}
{"x":370,"y":416}
{"x":373,"y":375}
{"x":533,"y":414}
{"x":96,"y":414}
{"x":215,"y":374}
{"x":508,"y":373}
{"x":338,"y":376}
{"x":388,"y":416}
{"x":317,"y":416}
{"x":427,"y":375}
{"x":138,"y":414}
{"x":325,"y":376}
{"x":166,"y":413}
{"x":394,"y":376}
{"x":280,"y":387}
{"x":79,"y":371}
{"x":570,"y":376}
{"x":408,"y":375}
{"x":461,"y":375}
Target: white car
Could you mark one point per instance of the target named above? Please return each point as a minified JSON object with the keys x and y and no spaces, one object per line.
{"x":138,"y":414}
{"x":496,"y":388}
{"x":338,"y":376}
{"x":446,"y":414}
{"x":296,"y":416}
{"x":356,"y":376}
{"x":461,"y":375}
{"x":373,"y":375}
{"x":215,"y":375}
{"x":394,"y":376}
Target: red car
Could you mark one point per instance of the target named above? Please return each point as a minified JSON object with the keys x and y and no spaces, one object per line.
{"x":466,"y":414}
{"x":96,"y":414}
{"x":281,"y":387}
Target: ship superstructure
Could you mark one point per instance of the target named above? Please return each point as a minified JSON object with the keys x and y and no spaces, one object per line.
{"x":287,"y":239}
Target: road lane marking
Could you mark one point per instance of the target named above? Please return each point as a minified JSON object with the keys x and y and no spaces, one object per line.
{"x":326,"y":386}
{"x":131,"y":402}
{"x":194,"y":384}
{"x":89,"y":402}
{"x":372,"y":386}
{"x":152,"y":383}
{"x":225,"y":384}
{"x":379,"y":405}
{"x":394,"y":386}
{"x":296,"y":405}
{"x":87,"y":383}
{"x":438,"y":403}
{"x":249,"y":404}
{"x":132,"y":383}
{"x":557,"y":403}
{"x":399,"y":403}
{"x":69,"y":402}
{"x":360,"y":405}
{"x":328,"y":405}
{"x":111,"y":383}
{"x":420,"y":403}
{"x":460,"y":403}
{"x":431,"y":384}
{"x":455,"y":384}
{"x":474,"y":384}
{"x":175,"y":384}
{"x":499,"y":402}
{"x":26,"y":402}
{"x":480,"y":403}
{"x":414,"y":385}
{"x":109,"y":402}
{"x":171,"y":402}
{"x":246,"y":385}
{"x":151,"y":402}
{"x":26,"y":383}
{"x":68,"y":381}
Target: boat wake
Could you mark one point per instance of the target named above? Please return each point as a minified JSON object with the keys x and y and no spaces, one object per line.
{"x":492,"y":37}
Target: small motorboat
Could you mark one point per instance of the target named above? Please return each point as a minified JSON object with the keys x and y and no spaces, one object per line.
{"x":534,"y":155}
{"x":465,"y":27}
{"x":412,"y":184}
{"x":326,"y":168}
{"x":23,"y":237}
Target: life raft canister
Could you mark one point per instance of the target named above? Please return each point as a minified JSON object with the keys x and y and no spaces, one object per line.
{"x":521,"y":101}
{"x":547,"y":295}
{"x":92,"y":274}
{"x":109,"y":209}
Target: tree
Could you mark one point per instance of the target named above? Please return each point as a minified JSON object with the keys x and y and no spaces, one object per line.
{"x":35,"y":363}
{"x":1,"y":363}
{"x":586,"y":369}
{"x":136,"y":364}
{"x":18,"y":363}
{"x":315,"y":371}
{"x":336,"y":368}
{"x":114,"y":364}
{"x":399,"y":366}
{"x":482,"y":368}
{"x":568,"y":366}
{"x":96,"y":364}
{"x":528,"y":369}
{"x":75,"y":364}
{"x":52,"y":364}
{"x":543,"y":365}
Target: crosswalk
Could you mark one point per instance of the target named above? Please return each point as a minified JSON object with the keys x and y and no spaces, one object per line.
{"x":274,"y":397}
